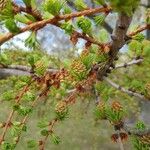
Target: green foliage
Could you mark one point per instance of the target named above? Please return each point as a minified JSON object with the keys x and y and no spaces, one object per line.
{"x":23,"y":111}
{"x":19,"y":85}
{"x":140,"y":125}
{"x":68,"y":27}
{"x":32,"y":41}
{"x":26,"y":18}
{"x":31,"y":144}
{"x":25,"y":79}
{"x":43,"y":123}
{"x":137,"y":85}
{"x":89,"y":59}
{"x":41,"y":65}
{"x":44,"y":132}
{"x":4,"y":60}
{"x":21,"y":18}
{"x":100,"y":111}
{"x":7,"y":146}
{"x":146,"y":48}
{"x":139,"y":37}
{"x":135,"y":47}
{"x":29,"y":96}
{"x":31,"y":60}
{"x":115,"y":116}
{"x":100,"y":2}
{"x":104,"y":90}
{"x":74,"y":76}
{"x":148,"y":16}
{"x":80,"y":4}
{"x":114,"y":112}
{"x":16,"y":107}
{"x":78,"y":70}
{"x":84,"y":24}
{"x":27,"y":2}
{"x":103,"y":36}
{"x":16,"y":129}
{"x":7,"y":96}
{"x":61,"y":110}
{"x":53,"y":6}
{"x":55,"y":139}
{"x":66,"y":10}
{"x":11,"y":26}
{"x":92,"y":57}
{"x":127,"y":6}
{"x":138,"y":145}
{"x":99,"y":20}
{"x":6,"y":11}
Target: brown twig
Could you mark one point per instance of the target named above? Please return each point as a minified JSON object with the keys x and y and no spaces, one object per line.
{"x":50,"y":131}
{"x":129,"y":92}
{"x":24,"y":120}
{"x":18,"y":99}
{"x":28,"y":10}
{"x":140,"y":29}
{"x":127,"y":64}
{"x":53,"y":21}
{"x":69,"y":100}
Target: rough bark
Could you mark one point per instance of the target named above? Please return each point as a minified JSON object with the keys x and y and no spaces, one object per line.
{"x":118,"y":40}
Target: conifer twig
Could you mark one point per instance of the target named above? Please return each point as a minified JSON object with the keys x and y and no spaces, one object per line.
{"x":133,"y":62}
{"x":120,"y":88}
{"x":54,"y":21}
{"x":140,"y":29}
{"x":18,"y":99}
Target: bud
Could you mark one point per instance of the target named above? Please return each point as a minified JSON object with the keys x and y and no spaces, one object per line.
{"x":117,"y":106}
{"x":61,"y":107}
{"x":85,"y":53}
{"x":122,"y":135}
{"x":3,"y":4}
{"x":101,"y":106}
{"x":61,"y":110}
{"x":145,"y":139}
{"x":40,"y":67}
{"x":77,"y":71}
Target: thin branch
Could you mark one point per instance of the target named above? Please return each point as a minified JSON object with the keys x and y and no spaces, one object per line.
{"x":24,"y":120}
{"x":105,"y":24}
{"x":54,"y":21}
{"x":136,"y":132}
{"x":42,"y":143}
{"x":69,"y":101}
{"x":5,"y":72}
{"x":91,"y":40}
{"x":140,"y":29}
{"x":29,"y":10}
{"x":19,"y":67}
{"x":18,"y":99}
{"x":19,"y":70}
{"x":133,"y":62}
{"x":130,"y":93}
